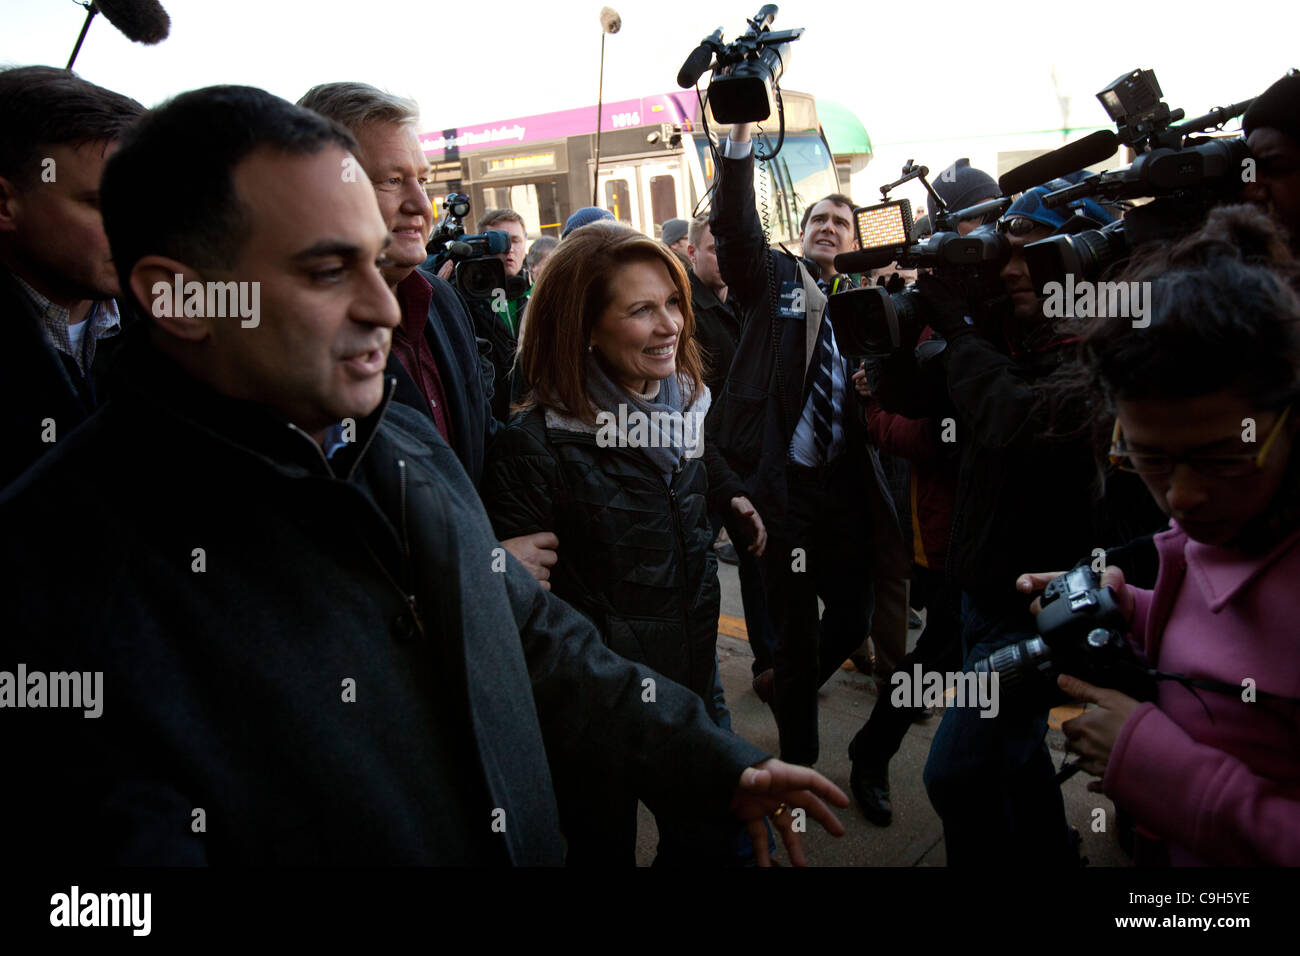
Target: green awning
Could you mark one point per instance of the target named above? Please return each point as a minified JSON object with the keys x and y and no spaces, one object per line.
{"x":844,"y":131}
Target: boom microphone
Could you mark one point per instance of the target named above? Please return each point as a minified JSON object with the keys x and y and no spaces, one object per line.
{"x":1093,"y":148}
{"x":140,"y":21}
{"x":610,"y":21}
{"x":698,"y":61}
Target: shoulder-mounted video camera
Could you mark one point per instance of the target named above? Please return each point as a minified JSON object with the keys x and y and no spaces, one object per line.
{"x":871,"y":321}
{"x":1184,"y":173}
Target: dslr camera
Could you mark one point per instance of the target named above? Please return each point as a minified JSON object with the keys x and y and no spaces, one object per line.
{"x":1081,"y":632}
{"x":746,"y":72}
{"x":478,"y":272}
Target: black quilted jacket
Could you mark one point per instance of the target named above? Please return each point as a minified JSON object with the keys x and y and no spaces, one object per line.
{"x":634,"y":552}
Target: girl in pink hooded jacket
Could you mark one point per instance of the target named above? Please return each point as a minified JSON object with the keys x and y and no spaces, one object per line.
{"x":1204,"y":399}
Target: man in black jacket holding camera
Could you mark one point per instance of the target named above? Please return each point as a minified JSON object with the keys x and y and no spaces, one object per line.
{"x":787,"y":424}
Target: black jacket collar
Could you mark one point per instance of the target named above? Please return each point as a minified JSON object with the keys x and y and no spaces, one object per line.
{"x":145,"y":376}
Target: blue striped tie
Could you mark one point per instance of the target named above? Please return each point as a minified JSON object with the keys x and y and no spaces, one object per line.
{"x":822,"y":408}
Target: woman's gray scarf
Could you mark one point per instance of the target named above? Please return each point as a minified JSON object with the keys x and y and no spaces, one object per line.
{"x":658,"y":427}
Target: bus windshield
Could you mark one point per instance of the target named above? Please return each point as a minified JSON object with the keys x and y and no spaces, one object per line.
{"x":804,"y":172}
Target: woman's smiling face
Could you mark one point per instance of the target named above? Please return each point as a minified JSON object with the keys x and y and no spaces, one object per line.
{"x":639,"y":331}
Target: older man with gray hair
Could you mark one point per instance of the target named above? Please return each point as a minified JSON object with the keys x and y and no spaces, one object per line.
{"x":435,"y":354}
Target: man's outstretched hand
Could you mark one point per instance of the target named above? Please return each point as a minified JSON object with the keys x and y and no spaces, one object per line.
{"x":771,"y":786}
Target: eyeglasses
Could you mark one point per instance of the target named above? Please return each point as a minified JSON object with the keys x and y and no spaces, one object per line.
{"x":1018,"y":225}
{"x":1211,"y":466}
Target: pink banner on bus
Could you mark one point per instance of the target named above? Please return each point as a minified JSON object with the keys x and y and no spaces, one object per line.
{"x":675,"y":107}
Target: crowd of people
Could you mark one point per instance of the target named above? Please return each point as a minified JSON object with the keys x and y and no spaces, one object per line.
{"x":380,"y":572}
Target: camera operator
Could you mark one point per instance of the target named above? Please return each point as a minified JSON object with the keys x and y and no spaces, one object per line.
{"x":1272,"y":127}
{"x":496,"y":320}
{"x":1209,"y":768}
{"x":781,"y":422}
{"x":1026,"y":487}
{"x":961,"y":186}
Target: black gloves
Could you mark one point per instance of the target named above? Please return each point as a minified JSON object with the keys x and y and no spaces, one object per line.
{"x":947,"y":308}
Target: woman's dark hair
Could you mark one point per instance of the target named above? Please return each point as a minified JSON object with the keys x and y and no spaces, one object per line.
{"x":1223,"y":314}
{"x":567,"y":303}
{"x":1223,"y":311}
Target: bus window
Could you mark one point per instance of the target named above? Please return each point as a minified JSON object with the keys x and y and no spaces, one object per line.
{"x":808,"y":170}
{"x":806,"y":173}
{"x":663,"y":201}
{"x":618,"y":200}
{"x":523,"y":200}
{"x":537,"y":202}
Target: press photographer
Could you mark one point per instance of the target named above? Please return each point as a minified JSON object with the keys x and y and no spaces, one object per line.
{"x":1204,"y":408}
{"x":1023,"y":462}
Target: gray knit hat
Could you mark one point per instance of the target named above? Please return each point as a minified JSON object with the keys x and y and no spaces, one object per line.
{"x":675,"y":230}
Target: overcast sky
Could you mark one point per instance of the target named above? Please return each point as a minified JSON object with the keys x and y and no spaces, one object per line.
{"x":930,"y":70}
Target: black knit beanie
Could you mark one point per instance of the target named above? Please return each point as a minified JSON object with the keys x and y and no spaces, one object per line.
{"x":1277,"y":107}
{"x":961,"y":185}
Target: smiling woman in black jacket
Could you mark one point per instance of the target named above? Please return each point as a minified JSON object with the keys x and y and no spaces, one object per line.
{"x":608,"y":454}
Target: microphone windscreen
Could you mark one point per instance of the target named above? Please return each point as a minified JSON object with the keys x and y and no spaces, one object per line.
{"x":142,"y":21}
{"x":610,"y":21}
{"x":694,"y":66}
{"x":1093,"y":148}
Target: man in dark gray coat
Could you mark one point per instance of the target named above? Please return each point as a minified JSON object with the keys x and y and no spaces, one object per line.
{"x":294,"y":638}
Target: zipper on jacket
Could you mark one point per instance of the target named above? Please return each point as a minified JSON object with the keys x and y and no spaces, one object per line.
{"x":680,"y":543}
{"x":406,"y":548}
{"x":319,"y":452}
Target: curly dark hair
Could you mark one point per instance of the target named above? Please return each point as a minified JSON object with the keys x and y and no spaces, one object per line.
{"x":1224,"y":315}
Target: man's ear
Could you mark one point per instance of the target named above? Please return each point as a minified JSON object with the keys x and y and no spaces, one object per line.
{"x":9,"y":202}
{"x":159,"y":286}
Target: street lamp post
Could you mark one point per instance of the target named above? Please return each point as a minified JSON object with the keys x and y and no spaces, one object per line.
{"x":610,"y":22}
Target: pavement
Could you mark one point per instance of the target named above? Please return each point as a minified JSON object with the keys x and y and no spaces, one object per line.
{"x":915,"y":837}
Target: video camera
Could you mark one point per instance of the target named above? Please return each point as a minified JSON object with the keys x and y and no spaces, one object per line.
{"x":871,"y":321}
{"x":747,"y":70}
{"x":1081,"y":634}
{"x":1185,"y":176}
{"x":478,"y":273}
